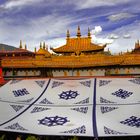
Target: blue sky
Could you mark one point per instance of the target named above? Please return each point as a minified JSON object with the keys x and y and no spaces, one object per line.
{"x":115,"y":22}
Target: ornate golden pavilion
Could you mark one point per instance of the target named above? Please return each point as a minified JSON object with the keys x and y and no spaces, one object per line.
{"x":78,"y":57}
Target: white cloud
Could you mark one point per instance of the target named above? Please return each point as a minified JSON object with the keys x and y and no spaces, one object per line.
{"x":99,"y":40}
{"x":81,"y":4}
{"x":122,"y":44}
{"x":35,"y":31}
{"x":96,"y":30}
{"x":120,"y":16}
{"x":16,"y":3}
{"x":113,"y":36}
{"x":56,"y":42}
{"x":126,"y":36}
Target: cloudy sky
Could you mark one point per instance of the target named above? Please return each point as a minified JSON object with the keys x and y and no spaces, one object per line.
{"x":116,"y":22}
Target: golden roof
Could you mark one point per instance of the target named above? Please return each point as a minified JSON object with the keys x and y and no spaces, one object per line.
{"x":80,"y":44}
{"x":96,"y":60}
{"x":42,"y":51}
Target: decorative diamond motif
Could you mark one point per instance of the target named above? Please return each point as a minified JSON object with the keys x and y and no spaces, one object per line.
{"x":86,"y":83}
{"x":110,"y":131}
{"x":45,"y":101}
{"x":103,"y":100}
{"x":40,"y":83}
{"x":17,"y":107}
{"x":68,"y":95}
{"x":81,"y":109}
{"x":56,"y":84}
{"x":123,"y":94}
{"x":105,"y":109}
{"x":14,"y":81}
{"x":39,"y":109}
{"x":79,"y":130}
{"x":53,"y":121}
{"x":16,"y":126}
{"x":85,"y":101}
{"x":133,"y":121}
{"x":135,"y":81}
{"x":104,"y":82}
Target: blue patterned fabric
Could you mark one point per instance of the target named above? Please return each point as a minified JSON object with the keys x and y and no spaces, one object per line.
{"x":81,"y":109}
{"x":105,"y":109}
{"x":38,"y":109}
{"x":86,"y":83}
{"x":104,"y":82}
{"x":16,"y":126}
{"x":53,"y":121}
{"x":17,"y":107}
{"x":133,"y":121}
{"x":40,"y":83}
{"x":79,"y":130}
{"x":122,"y":93}
{"x":56,"y":84}
{"x":110,"y":131}
{"x":45,"y":101}
{"x":94,"y":107}
{"x":103,"y":100}
{"x":85,"y":101}
{"x":67,"y":95}
{"x":135,"y":81}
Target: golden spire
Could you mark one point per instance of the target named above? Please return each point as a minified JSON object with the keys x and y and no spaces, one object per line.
{"x":44,"y":45}
{"x":89,"y":33}
{"x":20,"y":46}
{"x":35,"y":49}
{"x":25,"y":47}
{"x":40,"y":45}
{"x":47,"y":47}
{"x":137,"y":44}
{"x":68,"y":34}
{"x":78,"y":32}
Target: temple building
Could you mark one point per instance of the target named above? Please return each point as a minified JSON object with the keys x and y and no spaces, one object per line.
{"x":78,"y":57}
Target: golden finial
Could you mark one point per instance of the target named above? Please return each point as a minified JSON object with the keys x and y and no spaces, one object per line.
{"x":20,"y":46}
{"x":44,"y":45}
{"x":78,"y":32}
{"x":138,"y":43}
{"x":47,"y":47}
{"x":68,"y":34}
{"x":25,"y":47}
{"x":89,"y":33}
{"x":40,"y":45}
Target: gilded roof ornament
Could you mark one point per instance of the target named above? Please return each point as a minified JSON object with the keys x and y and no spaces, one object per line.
{"x":40,"y":45}
{"x":25,"y":47}
{"x":78,"y":32}
{"x":68,"y":34}
{"x":89,"y":33}
{"x":44,"y":45}
{"x":35,"y":49}
{"x":20,"y":46}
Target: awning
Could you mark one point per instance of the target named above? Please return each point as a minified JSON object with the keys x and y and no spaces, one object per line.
{"x":71,"y":107}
